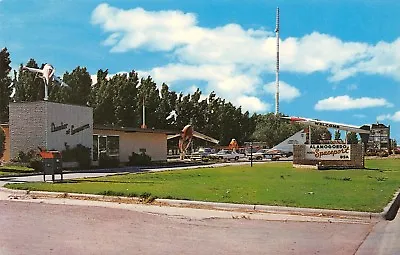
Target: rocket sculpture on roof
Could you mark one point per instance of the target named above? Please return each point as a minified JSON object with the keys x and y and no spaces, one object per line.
{"x":47,"y":74}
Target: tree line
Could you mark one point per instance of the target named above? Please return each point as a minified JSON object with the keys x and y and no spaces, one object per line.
{"x":118,"y":101}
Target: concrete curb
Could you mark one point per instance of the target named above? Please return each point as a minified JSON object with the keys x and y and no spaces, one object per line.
{"x":391,"y":209}
{"x":201,"y":204}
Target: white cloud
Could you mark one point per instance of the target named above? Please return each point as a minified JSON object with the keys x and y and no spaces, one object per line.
{"x":286,"y":91}
{"x":393,"y":117}
{"x":345,"y":102}
{"x":252,"y":104}
{"x":178,"y":32}
{"x":227,"y":81}
{"x":231,"y":59}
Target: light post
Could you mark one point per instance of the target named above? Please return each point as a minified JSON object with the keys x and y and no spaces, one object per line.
{"x":251,"y":154}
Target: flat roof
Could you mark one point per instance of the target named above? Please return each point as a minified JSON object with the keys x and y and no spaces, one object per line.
{"x":132,"y":129}
{"x":48,"y":102}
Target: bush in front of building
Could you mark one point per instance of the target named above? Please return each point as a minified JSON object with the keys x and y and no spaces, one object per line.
{"x":80,"y":154}
{"x":383,"y":154}
{"x":141,"y":159}
{"x":105,"y":161}
{"x":30,"y":159}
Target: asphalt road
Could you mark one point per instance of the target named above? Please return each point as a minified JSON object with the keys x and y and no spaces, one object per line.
{"x":40,"y":228}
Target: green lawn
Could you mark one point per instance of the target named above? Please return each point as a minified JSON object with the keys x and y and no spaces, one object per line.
{"x":268,"y":184}
{"x":15,"y":170}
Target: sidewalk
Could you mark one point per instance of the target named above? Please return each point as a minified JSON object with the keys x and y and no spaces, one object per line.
{"x":383,"y":239}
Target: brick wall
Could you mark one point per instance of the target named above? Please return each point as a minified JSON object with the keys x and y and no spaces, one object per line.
{"x":356,"y":158}
{"x":27,"y":126}
{"x":31,"y":126}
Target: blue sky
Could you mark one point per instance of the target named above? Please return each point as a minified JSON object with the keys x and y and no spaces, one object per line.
{"x":340,"y":60}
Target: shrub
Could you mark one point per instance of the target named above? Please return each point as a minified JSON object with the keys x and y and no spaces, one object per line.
{"x":31,"y":159}
{"x":106,"y":161}
{"x":141,"y":159}
{"x":383,"y":154}
{"x":80,"y":154}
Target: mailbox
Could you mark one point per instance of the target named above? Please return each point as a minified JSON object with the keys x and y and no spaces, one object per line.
{"x":52,"y":163}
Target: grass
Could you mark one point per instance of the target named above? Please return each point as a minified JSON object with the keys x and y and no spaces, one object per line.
{"x":15,"y":170}
{"x":269,"y":184}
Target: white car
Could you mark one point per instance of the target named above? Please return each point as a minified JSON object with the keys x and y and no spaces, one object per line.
{"x":264,"y":154}
{"x":226,"y":155}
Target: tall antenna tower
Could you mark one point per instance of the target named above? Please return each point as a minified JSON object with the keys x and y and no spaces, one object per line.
{"x":277,"y":62}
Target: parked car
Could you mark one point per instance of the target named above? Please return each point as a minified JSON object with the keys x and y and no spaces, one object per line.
{"x":267,"y":154}
{"x":202,"y":154}
{"x":226,"y":155}
{"x":258,"y":155}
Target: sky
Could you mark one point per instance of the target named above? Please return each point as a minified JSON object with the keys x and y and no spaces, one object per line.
{"x":339,"y":60}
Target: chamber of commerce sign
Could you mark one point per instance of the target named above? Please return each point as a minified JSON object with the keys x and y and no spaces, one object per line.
{"x":328,"y":151}
{"x":69,"y":130}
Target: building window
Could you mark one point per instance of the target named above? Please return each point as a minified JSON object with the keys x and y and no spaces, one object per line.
{"x":95,"y":147}
{"x":108,"y":145}
{"x":113,"y":146}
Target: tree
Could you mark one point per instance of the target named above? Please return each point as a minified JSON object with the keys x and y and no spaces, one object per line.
{"x":79,"y":82}
{"x":272,"y":130}
{"x":104,"y":111}
{"x":167,"y":105}
{"x":337,"y":135}
{"x":149,"y":92}
{"x":5,"y":84}
{"x":126,"y":101}
{"x":28,"y":87}
{"x":320,"y":133}
{"x":2,"y":142}
{"x":352,"y":138}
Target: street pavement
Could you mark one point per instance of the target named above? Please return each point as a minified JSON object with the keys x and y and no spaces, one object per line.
{"x":69,"y":226}
{"x":43,"y":228}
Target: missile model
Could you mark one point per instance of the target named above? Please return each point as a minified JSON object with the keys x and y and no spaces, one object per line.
{"x":365,"y":129}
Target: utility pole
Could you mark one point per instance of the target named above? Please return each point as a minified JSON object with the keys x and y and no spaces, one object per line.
{"x":144,"y":114}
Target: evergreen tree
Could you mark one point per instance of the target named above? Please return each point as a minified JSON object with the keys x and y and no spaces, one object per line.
{"x":5,"y":84}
